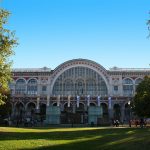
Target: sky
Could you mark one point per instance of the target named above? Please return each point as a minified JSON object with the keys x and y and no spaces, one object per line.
{"x":109,"y":32}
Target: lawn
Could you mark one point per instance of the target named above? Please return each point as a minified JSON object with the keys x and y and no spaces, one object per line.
{"x":102,"y":138}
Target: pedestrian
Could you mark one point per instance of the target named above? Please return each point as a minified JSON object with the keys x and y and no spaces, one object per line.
{"x":141,"y":122}
{"x":129,"y":123}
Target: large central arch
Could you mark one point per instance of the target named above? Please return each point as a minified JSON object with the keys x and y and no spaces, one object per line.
{"x":84,"y":74}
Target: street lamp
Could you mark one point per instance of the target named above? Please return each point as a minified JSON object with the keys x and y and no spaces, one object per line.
{"x":129,"y":109}
{"x":129,"y":104}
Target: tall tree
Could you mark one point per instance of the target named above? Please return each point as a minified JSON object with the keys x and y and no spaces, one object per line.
{"x":141,"y":101}
{"x":148,"y":23}
{"x":7,"y":42}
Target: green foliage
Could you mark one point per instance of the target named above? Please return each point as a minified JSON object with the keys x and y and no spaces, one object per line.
{"x":148,"y":24}
{"x":141,"y":102}
{"x":7,"y":42}
{"x":5,"y":110}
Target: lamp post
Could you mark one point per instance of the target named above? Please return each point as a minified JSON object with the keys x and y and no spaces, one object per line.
{"x":129,"y":102}
{"x":129,"y":105}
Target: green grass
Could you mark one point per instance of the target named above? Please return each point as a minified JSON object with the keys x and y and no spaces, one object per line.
{"x":74,"y":138}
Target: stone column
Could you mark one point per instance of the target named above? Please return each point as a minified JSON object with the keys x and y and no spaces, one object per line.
{"x":39,"y":88}
{"x":85,"y":107}
{"x":134,"y":90}
{"x":58,"y":100}
{"x":74,"y":108}
{"x":48,"y":100}
{"x":38,"y":104}
{"x":110,"y":108}
{"x":121,"y":90}
{"x":69,"y":100}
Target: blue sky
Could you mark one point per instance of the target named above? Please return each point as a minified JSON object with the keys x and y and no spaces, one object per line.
{"x":110,"y":32}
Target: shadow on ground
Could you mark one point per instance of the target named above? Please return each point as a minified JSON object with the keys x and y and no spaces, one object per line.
{"x":94,"y":139}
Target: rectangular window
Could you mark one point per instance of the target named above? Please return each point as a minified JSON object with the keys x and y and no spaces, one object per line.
{"x":115,"y":88}
{"x":44,"y":88}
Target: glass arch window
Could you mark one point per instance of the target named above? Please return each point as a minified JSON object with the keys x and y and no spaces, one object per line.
{"x":32,"y":87}
{"x":127,"y":87}
{"x":127,"y":81}
{"x":80,"y":81}
{"x":91,"y":87}
{"x":80,"y":87}
{"x":20,"y":86}
{"x":68,"y":87}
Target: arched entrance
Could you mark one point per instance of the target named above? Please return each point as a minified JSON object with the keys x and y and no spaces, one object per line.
{"x":79,"y":117}
{"x":19,"y":112}
{"x":127,"y":112}
{"x":54,"y":104}
{"x":67,"y":114}
{"x":104,"y":111}
{"x":92,"y":104}
{"x":117,"y":112}
{"x":43,"y":111}
{"x":30,"y":110}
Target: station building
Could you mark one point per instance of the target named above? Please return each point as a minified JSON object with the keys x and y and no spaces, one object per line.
{"x":78,"y":91}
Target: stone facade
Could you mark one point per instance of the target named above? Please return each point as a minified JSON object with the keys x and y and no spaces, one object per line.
{"x":77,"y":91}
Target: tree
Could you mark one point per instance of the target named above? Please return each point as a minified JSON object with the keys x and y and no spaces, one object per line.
{"x":141,"y":101}
{"x":5,"y":110}
{"x":7,"y":42}
{"x":148,"y":24}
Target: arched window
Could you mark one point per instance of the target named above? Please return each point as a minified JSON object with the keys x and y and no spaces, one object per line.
{"x":57,"y":90}
{"x":20,"y":86}
{"x":30,"y":109}
{"x":137,"y":82}
{"x":32,"y":87}
{"x":19,"y":110}
{"x":80,"y":87}
{"x":127,"y":87}
{"x":80,"y":81}
{"x":91,"y":87}
{"x":68,"y":87}
{"x":117,"y":111}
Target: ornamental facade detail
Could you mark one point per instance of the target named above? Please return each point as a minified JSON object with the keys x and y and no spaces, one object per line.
{"x":75,"y":89}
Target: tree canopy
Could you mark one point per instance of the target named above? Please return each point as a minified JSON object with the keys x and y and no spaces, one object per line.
{"x":148,"y":23}
{"x":7,"y":42}
{"x":141,"y":101}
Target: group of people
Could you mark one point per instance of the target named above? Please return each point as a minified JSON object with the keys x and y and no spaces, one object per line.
{"x":136,"y":122}
{"x":141,"y":122}
{"x":115,"y":122}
